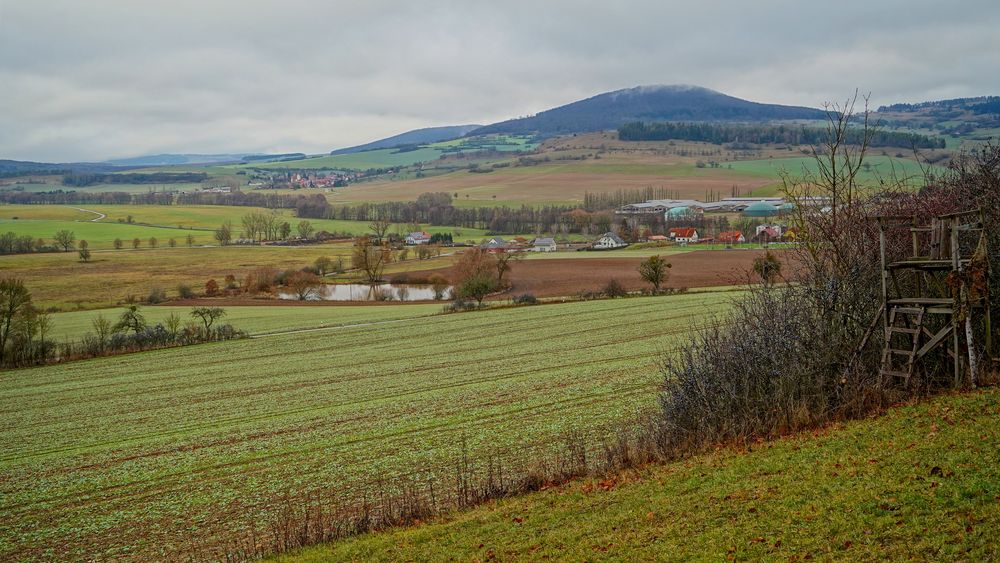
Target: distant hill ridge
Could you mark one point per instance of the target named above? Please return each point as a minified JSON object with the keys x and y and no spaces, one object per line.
{"x":415,"y":137}
{"x":647,"y":103}
{"x":178,"y":159}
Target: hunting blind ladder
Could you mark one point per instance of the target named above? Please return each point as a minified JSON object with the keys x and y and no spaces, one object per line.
{"x":931,"y":300}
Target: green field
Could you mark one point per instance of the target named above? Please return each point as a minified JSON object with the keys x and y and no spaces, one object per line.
{"x":165,"y":222}
{"x":148,"y":455}
{"x":381,"y":158}
{"x":388,"y":158}
{"x":881,"y":166}
{"x":97,"y":188}
{"x":920,"y":483}
{"x":101,"y":235}
{"x":256,"y":320}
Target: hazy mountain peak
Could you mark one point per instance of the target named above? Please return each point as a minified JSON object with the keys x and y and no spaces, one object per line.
{"x":656,"y":102}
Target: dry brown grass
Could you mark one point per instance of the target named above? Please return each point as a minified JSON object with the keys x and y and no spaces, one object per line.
{"x":566,"y":181}
{"x":60,"y":280}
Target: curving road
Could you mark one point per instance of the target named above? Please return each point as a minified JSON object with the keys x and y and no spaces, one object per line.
{"x":98,"y":213}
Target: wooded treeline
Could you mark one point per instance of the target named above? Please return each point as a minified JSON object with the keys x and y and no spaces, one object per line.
{"x":67,"y":197}
{"x":594,"y":217}
{"x":80,"y":179}
{"x":720,"y":133}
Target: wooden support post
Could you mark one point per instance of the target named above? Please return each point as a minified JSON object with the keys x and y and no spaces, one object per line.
{"x":917,"y":274}
{"x":885,"y":281}
{"x":989,"y":329}
{"x":988,"y":322}
{"x":956,"y":265}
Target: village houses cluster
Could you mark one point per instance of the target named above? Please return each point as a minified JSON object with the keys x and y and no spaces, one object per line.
{"x":766,"y":227}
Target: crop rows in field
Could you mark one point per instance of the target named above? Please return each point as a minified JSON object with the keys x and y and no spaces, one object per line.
{"x":138,"y":454}
{"x":255,"y":320}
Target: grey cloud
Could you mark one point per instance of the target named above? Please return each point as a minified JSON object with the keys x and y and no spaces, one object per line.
{"x":100,"y":79}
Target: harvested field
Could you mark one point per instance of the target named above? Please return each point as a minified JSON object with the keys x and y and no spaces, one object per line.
{"x":60,"y":280}
{"x":701,"y":268}
{"x":558,"y":277}
{"x":561,"y":182}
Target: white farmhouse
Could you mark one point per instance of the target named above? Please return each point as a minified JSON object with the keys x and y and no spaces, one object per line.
{"x":683,"y":235}
{"x":543,"y":244}
{"x":609,"y":241}
{"x":418,"y":238}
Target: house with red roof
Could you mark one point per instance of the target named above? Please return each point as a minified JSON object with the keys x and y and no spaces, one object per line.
{"x":732,"y":237}
{"x":683,"y":235}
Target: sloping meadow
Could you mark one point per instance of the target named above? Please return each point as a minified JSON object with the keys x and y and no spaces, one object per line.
{"x":169,"y":453}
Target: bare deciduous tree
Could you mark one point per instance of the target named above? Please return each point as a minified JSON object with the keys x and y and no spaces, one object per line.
{"x":14,"y":299}
{"x":65,"y":239}
{"x":305,"y":285}
{"x":224,"y":234}
{"x":370,"y":258}
{"x":208,"y":315}
{"x":503,"y":263}
{"x":305,"y":229}
{"x":379,"y":227}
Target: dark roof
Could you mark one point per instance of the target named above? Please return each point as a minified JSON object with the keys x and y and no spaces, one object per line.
{"x":495,"y":242}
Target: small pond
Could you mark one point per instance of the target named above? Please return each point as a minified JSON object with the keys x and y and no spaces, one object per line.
{"x":378,"y":292}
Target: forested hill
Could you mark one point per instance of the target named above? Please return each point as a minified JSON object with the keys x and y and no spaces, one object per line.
{"x":14,"y":168}
{"x":647,"y":103}
{"x":415,"y":137}
{"x":762,"y":134}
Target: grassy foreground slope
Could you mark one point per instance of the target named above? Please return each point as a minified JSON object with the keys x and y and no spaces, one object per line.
{"x":921,"y":482}
{"x":159,"y":454}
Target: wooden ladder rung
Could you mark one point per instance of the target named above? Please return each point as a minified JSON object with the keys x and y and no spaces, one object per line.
{"x":895,"y":373}
{"x":904,"y":330}
{"x":902,"y":352}
{"x":909,"y":310}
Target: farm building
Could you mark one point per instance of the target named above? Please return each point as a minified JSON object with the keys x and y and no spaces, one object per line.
{"x":761,"y":209}
{"x":543,"y":244}
{"x":772,"y":230}
{"x":767,"y":233}
{"x":683,"y":235}
{"x":680,"y":212}
{"x":732,"y":237}
{"x":665,"y":206}
{"x":609,"y":241}
{"x":495,"y":244}
{"x":656,"y":238}
{"x":418,"y":238}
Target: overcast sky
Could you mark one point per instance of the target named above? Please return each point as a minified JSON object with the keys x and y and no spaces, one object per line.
{"x":97,"y":79}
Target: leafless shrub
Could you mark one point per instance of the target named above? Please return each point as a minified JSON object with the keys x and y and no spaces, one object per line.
{"x":614,"y":288}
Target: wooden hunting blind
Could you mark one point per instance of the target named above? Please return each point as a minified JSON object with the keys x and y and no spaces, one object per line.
{"x":936,"y":302}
